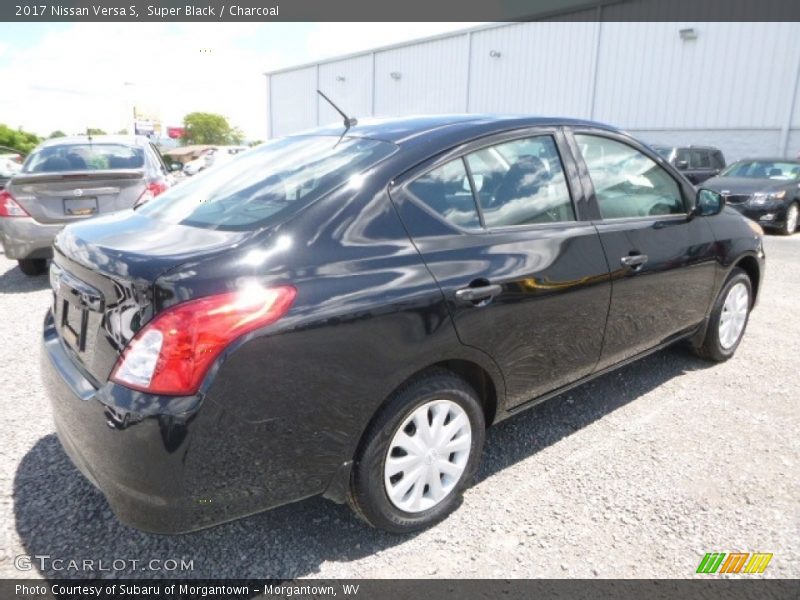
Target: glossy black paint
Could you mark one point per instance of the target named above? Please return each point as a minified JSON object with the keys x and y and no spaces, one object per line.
{"x":280,"y":415}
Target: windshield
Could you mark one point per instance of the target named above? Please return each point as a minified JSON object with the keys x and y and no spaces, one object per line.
{"x":84,"y":157}
{"x":763,"y":169}
{"x":266,"y":183}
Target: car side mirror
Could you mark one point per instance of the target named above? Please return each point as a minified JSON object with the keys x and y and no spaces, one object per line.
{"x":175,"y":167}
{"x":708,"y":203}
{"x":682,"y":165}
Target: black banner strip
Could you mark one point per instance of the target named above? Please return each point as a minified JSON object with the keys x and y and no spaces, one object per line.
{"x":408,"y":10}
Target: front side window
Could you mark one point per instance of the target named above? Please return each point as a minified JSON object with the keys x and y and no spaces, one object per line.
{"x":521,"y":183}
{"x":626,"y":182}
{"x":270,"y":182}
{"x":446,"y":190}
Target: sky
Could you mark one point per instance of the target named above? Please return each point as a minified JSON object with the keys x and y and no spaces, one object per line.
{"x":70,"y":76}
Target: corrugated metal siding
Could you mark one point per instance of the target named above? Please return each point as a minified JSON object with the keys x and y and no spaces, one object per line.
{"x":732,"y":75}
{"x":294,"y":101}
{"x":349,"y":84}
{"x":735,"y":77}
{"x":433,"y":78}
{"x":543,"y":69}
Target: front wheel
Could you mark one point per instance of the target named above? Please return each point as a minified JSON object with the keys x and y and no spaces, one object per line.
{"x":790,"y":222}
{"x":419,"y":455}
{"x":728,"y":318}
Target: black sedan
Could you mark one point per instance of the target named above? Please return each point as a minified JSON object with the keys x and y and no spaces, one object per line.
{"x":765,"y":190}
{"x":346,"y":314}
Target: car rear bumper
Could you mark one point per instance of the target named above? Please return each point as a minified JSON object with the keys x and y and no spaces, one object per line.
{"x":165,"y":464}
{"x":24,"y":237}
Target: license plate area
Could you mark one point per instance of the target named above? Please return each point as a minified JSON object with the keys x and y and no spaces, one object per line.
{"x":73,"y":321}
{"x":80,"y":207}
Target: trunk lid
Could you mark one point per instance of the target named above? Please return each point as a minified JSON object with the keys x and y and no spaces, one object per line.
{"x":69,"y":196}
{"x":103,"y":278}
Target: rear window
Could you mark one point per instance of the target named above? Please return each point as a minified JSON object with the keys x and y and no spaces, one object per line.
{"x":84,"y":157}
{"x":268,"y":183}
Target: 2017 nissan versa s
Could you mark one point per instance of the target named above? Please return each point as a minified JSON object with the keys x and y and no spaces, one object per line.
{"x":346,"y":314}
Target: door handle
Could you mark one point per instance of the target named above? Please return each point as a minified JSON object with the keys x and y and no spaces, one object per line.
{"x":478,"y":296}
{"x":636,"y":261}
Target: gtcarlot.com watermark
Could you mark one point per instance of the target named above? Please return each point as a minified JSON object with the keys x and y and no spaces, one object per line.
{"x":44,"y":562}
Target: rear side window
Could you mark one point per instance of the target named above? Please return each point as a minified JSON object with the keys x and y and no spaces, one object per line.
{"x":84,"y":157}
{"x":717,"y":160}
{"x":521,"y":183}
{"x":267,"y":183}
{"x":447,"y":191}
{"x":626,"y":182}
{"x":700,"y":159}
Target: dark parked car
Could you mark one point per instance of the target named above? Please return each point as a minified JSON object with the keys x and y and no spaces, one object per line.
{"x":766,"y":190}
{"x":697,"y":163}
{"x":73,"y":178}
{"x":346,"y":316}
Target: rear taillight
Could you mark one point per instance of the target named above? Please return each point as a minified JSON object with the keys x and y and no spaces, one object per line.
{"x":153,"y":189}
{"x":9,"y":207}
{"x":172,"y":354}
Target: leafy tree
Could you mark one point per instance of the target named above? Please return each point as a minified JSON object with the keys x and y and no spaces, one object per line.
{"x":123,"y":131}
{"x":56,"y":134}
{"x":17,"y":139}
{"x":209,"y":128}
{"x":93,"y":131}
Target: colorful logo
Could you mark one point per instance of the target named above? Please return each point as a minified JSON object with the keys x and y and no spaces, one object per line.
{"x":735,"y":562}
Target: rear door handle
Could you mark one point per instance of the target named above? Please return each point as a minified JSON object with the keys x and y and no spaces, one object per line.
{"x":636,"y":261}
{"x":478,"y":296}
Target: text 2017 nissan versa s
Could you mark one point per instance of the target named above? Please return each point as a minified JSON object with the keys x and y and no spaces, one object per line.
{"x":345,"y":315}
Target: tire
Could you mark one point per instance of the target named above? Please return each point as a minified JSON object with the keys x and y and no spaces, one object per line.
{"x":32,"y":266}
{"x":446,"y":399}
{"x":720,"y":343}
{"x":790,"y":222}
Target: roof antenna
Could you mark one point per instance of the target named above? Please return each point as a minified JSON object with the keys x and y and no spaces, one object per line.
{"x":348,"y":121}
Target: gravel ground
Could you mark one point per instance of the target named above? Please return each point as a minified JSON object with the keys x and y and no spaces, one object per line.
{"x":636,"y":474}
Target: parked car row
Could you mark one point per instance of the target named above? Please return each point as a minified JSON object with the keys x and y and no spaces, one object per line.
{"x":217,"y":155}
{"x":766,"y":190}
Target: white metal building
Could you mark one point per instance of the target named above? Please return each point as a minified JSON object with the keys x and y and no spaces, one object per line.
{"x":731,"y":85}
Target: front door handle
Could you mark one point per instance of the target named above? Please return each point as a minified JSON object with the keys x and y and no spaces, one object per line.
{"x":478,"y":296}
{"x":636,"y":261}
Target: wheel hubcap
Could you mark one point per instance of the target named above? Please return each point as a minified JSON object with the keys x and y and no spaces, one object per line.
{"x":734,"y":315}
{"x":427,"y":455}
{"x":791,"y":219}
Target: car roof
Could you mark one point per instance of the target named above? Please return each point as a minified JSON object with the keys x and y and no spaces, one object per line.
{"x":400,"y":130}
{"x":128,"y":140}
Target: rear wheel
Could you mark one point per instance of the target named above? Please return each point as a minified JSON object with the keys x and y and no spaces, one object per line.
{"x":728,"y":318}
{"x":32,"y":266}
{"x":419,"y":455}
{"x":790,"y":223}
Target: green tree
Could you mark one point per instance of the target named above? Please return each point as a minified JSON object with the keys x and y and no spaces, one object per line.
{"x":122,"y":132}
{"x":94,"y":131}
{"x":56,"y":134}
{"x":209,"y":128}
{"x":19,"y":140}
